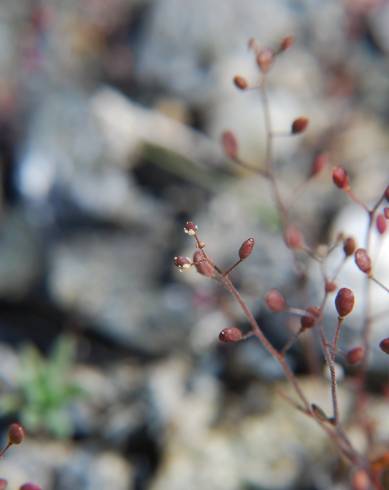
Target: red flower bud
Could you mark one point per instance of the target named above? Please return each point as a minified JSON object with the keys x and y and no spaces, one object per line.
{"x":231,"y":334}
{"x":30,"y":486}
{"x":299,"y":125}
{"x":344,"y":302}
{"x":330,"y":286}
{"x":362,"y":260}
{"x":381,"y":224}
{"x":230,"y":144}
{"x":3,"y":484}
{"x":275,"y":301}
{"x":355,"y":355}
{"x":286,"y":43}
{"x":349,"y":246}
{"x":360,"y":480}
{"x":384,"y":345}
{"x":190,"y":228}
{"x":15,"y":434}
{"x":386,"y":213}
{"x":182,"y":263}
{"x":293,"y":237}
{"x":340,"y":178}
{"x":240,"y":82}
{"x":246,"y":248}
{"x":308,"y":321}
{"x":265,"y":59}
{"x":319,"y":163}
{"x":202,"y":265}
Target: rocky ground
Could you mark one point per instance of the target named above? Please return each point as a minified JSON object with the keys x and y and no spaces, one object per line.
{"x":110,"y":119}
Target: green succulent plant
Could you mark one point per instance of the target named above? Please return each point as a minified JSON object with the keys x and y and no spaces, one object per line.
{"x":45,"y":390}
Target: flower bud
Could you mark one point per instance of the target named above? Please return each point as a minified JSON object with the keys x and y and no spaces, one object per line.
{"x":319,"y":163}
{"x":308,"y":321}
{"x":362,"y":260}
{"x":265,"y":59}
{"x":3,"y":484}
{"x":299,"y":125}
{"x":384,"y":345}
{"x":293,"y":237}
{"x":386,"y":213}
{"x":30,"y":486}
{"x":246,"y":248}
{"x":182,"y":263}
{"x":360,"y":480}
{"x":190,"y":228}
{"x":202,"y":265}
{"x":340,"y":178}
{"x":386,"y":193}
{"x":275,"y":301}
{"x":231,"y":334}
{"x":330,"y":286}
{"x":381,"y":224}
{"x":15,"y":434}
{"x":355,"y":355}
{"x":240,"y":82}
{"x":349,"y":246}
{"x":230,"y":144}
{"x":286,"y":43}
{"x":344,"y":302}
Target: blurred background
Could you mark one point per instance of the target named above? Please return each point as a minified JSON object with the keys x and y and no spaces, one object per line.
{"x":110,"y":119}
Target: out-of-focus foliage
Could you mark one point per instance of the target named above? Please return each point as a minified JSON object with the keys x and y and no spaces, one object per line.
{"x":45,"y":389}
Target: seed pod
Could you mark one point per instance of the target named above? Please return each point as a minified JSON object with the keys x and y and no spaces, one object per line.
{"x":355,"y":355}
{"x":330,"y":286}
{"x":349,"y":246}
{"x":246,"y":248}
{"x":275,"y":301}
{"x":3,"y":484}
{"x":286,"y":43}
{"x":386,"y":213}
{"x":240,"y":82}
{"x":15,"y":434}
{"x":319,"y":163}
{"x":190,"y":228}
{"x":362,"y":260}
{"x":344,"y":302}
{"x":265,"y":59}
{"x":381,"y":224}
{"x":231,"y":334}
{"x":308,"y":321}
{"x":182,"y":263}
{"x":340,"y":178}
{"x":230,"y":144}
{"x":293,"y":237}
{"x":30,"y":486}
{"x":202,"y":265}
{"x":299,"y":125}
{"x":384,"y":345}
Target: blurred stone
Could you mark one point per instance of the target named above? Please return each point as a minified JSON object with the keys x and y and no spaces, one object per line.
{"x":112,"y":279}
{"x":21,"y":249}
{"x":182,"y":40}
{"x":273,"y":450}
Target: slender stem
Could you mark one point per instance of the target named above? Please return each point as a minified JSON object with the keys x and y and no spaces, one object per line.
{"x":5,"y":449}
{"x":232,"y":267}
{"x":336,"y":337}
{"x":264,"y":340}
{"x":379,"y":283}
